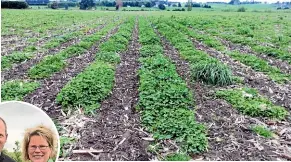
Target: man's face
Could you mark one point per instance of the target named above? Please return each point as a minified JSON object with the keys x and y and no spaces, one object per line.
{"x":3,"y":136}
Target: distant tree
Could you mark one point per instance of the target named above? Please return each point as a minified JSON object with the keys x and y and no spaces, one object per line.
{"x":66,"y":6}
{"x":162,"y":7}
{"x":189,"y":5}
{"x":234,"y":2}
{"x":179,"y":4}
{"x":241,"y":9}
{"x":196,"y":5}
{"x":148,"y":4}
{"x":86,"y":4}
{"x":55,"y":5}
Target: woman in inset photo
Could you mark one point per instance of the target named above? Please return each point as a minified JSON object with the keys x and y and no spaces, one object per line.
{"x":39,"y":144}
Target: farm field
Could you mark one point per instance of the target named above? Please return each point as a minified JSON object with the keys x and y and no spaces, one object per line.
{"x":154,"y":85}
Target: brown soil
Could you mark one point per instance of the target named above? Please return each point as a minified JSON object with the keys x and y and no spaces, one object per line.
{"x":19,"y":71}
{"x":229,"y":135}
{"x":45,"y":95}
{"x":116,"y":129}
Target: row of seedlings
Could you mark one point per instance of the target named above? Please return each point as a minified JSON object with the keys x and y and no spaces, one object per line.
{"x":95,"y":83}
{"x":246,"y":100}
{"x":30,"y":51}
{"x":17,"y":89}
{"x":166,"y":104}
{"x":52,"y":64}
{"x":253,"y":61}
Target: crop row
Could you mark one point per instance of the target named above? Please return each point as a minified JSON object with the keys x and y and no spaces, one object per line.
{"x":52,"y":64}
{"x":164,"y":99}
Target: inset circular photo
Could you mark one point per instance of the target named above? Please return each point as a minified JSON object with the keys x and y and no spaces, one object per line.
{"x":27,"y":134}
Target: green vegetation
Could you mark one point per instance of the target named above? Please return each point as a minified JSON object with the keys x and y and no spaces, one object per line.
{"x":249,"y":102}
{"x":16,"y":57}
{"x":16,"y":89}
{"x":262,"y":131}
{"x":65,"y":141}
{"x":261,"y":66}
{"x":164,"y":99}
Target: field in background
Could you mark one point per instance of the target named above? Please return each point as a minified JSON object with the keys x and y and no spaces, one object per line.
{"x":210,"y":84}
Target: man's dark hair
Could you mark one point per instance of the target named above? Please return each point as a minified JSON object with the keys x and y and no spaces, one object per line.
{"x":4,"y":125}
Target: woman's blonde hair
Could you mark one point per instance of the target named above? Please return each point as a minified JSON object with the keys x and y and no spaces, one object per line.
{"x":44,"y":132}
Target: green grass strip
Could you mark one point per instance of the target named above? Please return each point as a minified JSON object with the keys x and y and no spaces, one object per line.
{"x":248,"y":101}
{"x":261,"y":65}
{"x":16,"y":89}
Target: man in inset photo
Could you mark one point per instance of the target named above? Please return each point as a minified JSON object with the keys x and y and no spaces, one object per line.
{"x":3,"y":139}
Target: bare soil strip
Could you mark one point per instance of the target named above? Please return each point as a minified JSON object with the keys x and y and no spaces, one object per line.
{"x":279,"y":94}
{"x":284,"y":66}
{"x":44,"y":97}
{"x":229,"y":135}
{"x":19,"y":71}
{"x":116,"y":129}
{"x":21,"y":43}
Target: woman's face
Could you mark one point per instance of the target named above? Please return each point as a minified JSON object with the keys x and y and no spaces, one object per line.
{"x":38,"y":149}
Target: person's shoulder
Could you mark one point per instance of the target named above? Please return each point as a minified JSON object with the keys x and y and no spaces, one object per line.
{"x":6,"y":158}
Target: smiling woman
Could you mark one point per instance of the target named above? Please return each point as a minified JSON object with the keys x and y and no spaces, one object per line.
{"x":39,"y":144}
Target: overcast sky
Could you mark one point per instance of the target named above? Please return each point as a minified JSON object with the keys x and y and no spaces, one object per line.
{"x":269,"y":1}
{"x":20,"y":116}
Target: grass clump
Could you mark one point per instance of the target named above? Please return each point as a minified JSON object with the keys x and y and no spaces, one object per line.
{"x":212,"y":73}
{"x":262,"y":131}
{"x":248,"y":101}
{"x":17,"y":89}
